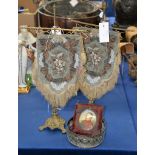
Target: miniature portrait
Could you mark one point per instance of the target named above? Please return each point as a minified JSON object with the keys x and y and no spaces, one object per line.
{"x":87,"y":119}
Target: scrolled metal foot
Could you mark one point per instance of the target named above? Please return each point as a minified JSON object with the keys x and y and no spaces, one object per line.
{"x":54,"y":122}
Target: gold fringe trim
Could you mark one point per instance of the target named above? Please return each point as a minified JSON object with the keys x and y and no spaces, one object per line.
{"x":93,"y":92}
{"x":54,"y":98}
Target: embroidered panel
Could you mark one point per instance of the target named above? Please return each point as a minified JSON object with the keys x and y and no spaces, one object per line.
{"x":58,"y":58}
{"x":101,"y":70}
{"x":100,"y":56}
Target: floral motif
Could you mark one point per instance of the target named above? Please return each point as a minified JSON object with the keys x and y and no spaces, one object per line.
{"x":95,"y":58}
{"x":100,"y":56}
{"x":59,"y":63}
{"x":57,"y":57}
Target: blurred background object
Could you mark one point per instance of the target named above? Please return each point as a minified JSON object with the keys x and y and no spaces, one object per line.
{"x":126,"y":12}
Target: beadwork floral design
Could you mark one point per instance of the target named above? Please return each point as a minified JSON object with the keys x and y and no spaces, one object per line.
{"x":57,"y":57}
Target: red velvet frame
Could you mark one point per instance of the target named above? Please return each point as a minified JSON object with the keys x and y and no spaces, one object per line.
{"x":97,"y":109}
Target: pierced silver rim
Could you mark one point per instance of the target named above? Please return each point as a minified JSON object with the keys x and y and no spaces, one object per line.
{"x":83,"y":141}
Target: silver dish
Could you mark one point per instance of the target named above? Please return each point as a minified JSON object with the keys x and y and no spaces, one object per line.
{"x":84,"y":141}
